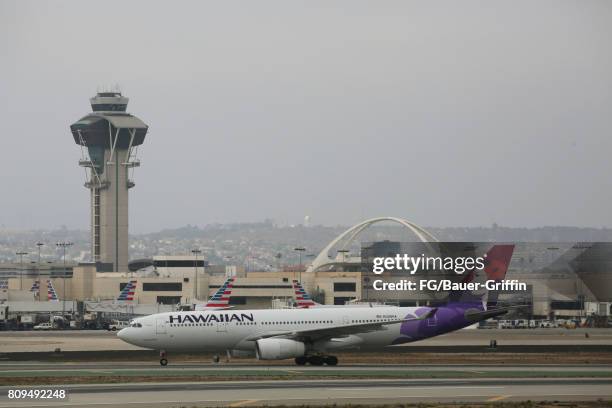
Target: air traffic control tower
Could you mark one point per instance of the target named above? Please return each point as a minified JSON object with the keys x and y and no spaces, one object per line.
{"x":109,"y":138}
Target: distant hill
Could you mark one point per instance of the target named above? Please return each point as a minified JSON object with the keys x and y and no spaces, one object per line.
{"x":258,"y":244}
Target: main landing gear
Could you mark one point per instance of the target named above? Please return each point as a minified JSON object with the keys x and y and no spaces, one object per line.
{"x":163,"y":361}
{"x":317,"y":360}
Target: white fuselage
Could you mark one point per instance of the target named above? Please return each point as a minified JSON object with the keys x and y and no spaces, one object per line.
{"x":217,"y":331}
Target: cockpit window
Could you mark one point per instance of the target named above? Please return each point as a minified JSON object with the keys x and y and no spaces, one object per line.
{"x":134,"y":324}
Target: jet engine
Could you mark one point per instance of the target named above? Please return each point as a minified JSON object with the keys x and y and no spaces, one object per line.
{"x":278,"y":349}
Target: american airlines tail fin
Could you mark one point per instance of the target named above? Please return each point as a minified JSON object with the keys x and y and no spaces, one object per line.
{"x":127,"y":293}
{"x":35,"y":286}
{"x":220,"y":299}
{"x":303,"y":299}
{"x":51,"y":293}
{"x":497,"y":260}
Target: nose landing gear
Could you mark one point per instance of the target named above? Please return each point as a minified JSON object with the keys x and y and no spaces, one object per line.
{"x":162,"y":358}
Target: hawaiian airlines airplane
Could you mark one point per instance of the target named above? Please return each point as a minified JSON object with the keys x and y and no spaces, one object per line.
{"x":311,"y":335}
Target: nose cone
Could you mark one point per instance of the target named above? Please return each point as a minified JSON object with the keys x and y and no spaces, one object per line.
{"x":124,"y":335}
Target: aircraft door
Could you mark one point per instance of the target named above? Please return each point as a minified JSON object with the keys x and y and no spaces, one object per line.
{"x":345,"y":320}
{"x":160,"y":326}
{"x":222,"y":327}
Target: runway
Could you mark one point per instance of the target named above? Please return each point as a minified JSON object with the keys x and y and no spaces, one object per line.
{"x":10,"y":369}
{"x":256,"y":393}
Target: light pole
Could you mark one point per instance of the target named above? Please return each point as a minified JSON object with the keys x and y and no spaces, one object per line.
{"x":21,"y":254}
{"x":196,"y":252}
{"x":299,"y":251}
{"x":278,"y":257}
{"x":39,"y":245}
{"x":63,"y":245}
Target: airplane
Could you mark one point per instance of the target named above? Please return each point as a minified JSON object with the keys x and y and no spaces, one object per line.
{"x":220,"y":299}
{"x":51,"y":293}
{"x":311,"y":335}
{"x":302,"y":298}
{"x":127,"y":293}
{"x":35,"y":287}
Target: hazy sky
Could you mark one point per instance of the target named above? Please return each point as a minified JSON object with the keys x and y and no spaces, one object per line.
{"x":446,"y":113}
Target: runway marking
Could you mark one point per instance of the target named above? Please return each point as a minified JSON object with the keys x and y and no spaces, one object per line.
{"x":499,"y":398}
{"x":242,"y":403}
{"x":80,"y":404}
{"x":436,"y":387}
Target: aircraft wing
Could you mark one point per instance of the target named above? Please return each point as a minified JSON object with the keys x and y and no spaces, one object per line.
{"x":338,"y":331}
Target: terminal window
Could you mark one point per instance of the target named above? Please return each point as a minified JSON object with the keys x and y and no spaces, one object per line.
{"x":162,"y":287}
{"x":178,"y":263}
{"x":566,"y":305}
{"x":254,"y":286}
{"x":342,"y":300}
{"x":169,"y":300}
{"x":238,"y":300}
{"x":345,"y":286}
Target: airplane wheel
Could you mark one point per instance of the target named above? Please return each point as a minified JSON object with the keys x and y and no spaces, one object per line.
{"x":301,"y":360}
{"x":331,"y":360}
{"x":316,"y":360}
{"x":163,"y":362}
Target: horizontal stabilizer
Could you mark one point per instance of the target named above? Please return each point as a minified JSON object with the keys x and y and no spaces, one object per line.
{"x":475,"y":315}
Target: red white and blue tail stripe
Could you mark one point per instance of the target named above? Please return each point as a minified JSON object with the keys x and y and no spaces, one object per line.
{"x":303,"y":299}
{"x":127,"y":293}
{"x":35,"y":286}
{"x":51,"y":293}
{"x":220,"y":299}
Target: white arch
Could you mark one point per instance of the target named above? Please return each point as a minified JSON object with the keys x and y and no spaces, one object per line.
{"x":324,"y":259}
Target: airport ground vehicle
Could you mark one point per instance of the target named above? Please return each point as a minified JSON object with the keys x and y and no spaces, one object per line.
{"x":118,"y":325}
{"x":548,"y":324}
{"x":43,"y":326}
{"x":521,"y":324}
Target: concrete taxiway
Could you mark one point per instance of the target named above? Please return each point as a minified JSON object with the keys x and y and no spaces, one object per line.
{"x":255,"y":393}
